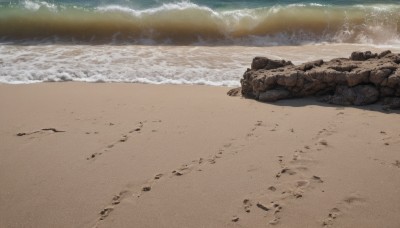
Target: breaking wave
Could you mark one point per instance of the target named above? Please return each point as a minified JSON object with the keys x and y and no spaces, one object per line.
{"x":185,"y":23}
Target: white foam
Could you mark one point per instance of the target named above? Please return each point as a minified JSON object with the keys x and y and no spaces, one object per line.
{"x":36,"y":5}
{"x":151,"y":11}
{"x":30,"y":5}
{"x":30,"y":64}
{"x":200,"y":65}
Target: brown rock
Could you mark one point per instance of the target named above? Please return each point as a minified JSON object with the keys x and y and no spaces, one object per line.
{"x":310,"y":65}
{"x":274,"y":95}
{"x":234,"y":92}
{"x":394,"y":79}
{"x":384,"y":53}
{"x":343,"y":68}
{"x":377,"y":76}
{"x":361,"y":79}
{"x":392,"y":102}
{"x":358,"y":95}
{"x":357,"y":77}
{"x":268,"y":64}
{"x":362,"y":56}
{"x":386,"y":92}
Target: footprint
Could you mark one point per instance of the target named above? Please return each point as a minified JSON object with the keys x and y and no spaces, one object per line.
{"x":317,"y":179}
{"x":146,"y":188}
{"x":185,"y":169}
{"x":274,"y":221}
{"x":326,"y":132}
{"x":117,"y":198}
{"x":302,"y":183}
{"x":92,"y":156}
{"x":275,"y":127}
{"x":139,"y":128}
{"x":323,"y":142}
{"x":256,"y":125}
{"x":297,"y":194}
{"x":123,"y":139}
{"x":285,"y":171}
{"x":235,"y":219}
{"x":105,"y":212}
{"x":197,"y":164}
{"x":227,"y":145}
{"x":353,"y":199}
{"x":396,"y":164}
{"x":333,"y":214}
{"x":278,"y":207}
{"x":211,"y":161}
{"x":247,"y":205}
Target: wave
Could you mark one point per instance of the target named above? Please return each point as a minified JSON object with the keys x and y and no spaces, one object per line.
{"x":187,"y":23}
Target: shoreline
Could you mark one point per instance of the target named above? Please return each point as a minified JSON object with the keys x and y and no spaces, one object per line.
{"x":123,"y":155}
{"x":217,"y":66}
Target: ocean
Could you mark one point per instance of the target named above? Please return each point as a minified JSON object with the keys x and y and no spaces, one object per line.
{"x":181,"y":42}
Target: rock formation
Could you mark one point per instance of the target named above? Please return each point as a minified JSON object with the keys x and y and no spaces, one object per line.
{"x":362,"y":79}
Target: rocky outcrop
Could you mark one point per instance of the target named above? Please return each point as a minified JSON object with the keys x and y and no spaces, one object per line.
{"x":362,"y":79}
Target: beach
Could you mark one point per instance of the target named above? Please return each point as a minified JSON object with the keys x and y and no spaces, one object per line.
{"x":116,"y":113}
{"x":135,"y":155}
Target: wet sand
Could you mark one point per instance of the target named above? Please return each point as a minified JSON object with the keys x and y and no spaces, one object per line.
{"x":133,"y":155}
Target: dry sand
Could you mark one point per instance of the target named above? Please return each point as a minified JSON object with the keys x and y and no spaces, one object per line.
{"x":130,"y":155}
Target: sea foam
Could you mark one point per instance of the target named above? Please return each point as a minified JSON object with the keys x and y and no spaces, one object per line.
{"x":193,"y":65}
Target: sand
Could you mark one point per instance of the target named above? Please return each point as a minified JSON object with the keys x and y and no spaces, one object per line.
{"x":131,"y":155}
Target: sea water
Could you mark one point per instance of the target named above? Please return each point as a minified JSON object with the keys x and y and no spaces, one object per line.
{"x":181,"y":42}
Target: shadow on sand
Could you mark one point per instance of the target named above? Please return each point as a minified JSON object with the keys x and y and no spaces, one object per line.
{"x":312,"y":101}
